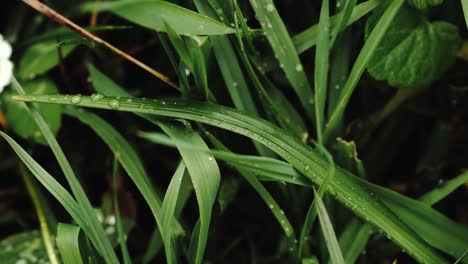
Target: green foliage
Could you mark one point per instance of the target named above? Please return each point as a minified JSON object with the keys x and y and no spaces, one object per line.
{"x":23,"y":248}
{"x":224,"y":167}
{"x":401,"y":58}
{"x":21,"y":120}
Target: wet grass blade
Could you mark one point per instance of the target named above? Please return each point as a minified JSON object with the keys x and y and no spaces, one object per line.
{"x":321,"y":67}
{"x":98,"y":236}
{"x":68,"y":243}
{"x":360,"y":64}
{"x":343,"y":186}
{"x":342,"y":20}
{"x":153,"y":14}
{"x":285,"y":51}
{"x":443,"y":191}
{"x":328,"y":232}
{"x":308,"y":38}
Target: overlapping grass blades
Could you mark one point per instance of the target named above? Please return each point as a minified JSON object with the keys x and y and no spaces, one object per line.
{"x":90,"y":223}
{"x":343,"y":186}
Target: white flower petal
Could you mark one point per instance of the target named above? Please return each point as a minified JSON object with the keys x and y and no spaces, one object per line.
{"x":5,"y":49}
{"x":6,"y":70}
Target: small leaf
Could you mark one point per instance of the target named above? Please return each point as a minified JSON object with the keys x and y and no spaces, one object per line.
{"x":154,"y":14}
{"x":41,"y":57}
{"x":68,"y":242}
{"x":414,"y":51}
{"x":423,"y":4}
{"x":20,"y":119}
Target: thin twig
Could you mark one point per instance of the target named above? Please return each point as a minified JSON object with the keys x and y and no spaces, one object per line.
{"x":52,"y":14}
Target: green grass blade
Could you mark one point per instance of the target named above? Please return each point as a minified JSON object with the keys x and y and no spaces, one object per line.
{"x":54,"y":188}
{"x":118,"y":219}
{"x":447,"y":188}
{"x":452,"y":238}
{"x":308,"y":38}
{"x":285,"y":51}
{"x":360,"y":64}
{"x":98,"y":236}
{"x":321,"y":67}
{"x":465,"y":10}
{"x":68,"y":243}
{"x":205,"y":176}
{"x":329,"y":234}
{"x":342,"y":19}
{"x":247,"y":167}
{"x":153,"y":14}
{"x":168,"y":210}
{"x":343,"y":185}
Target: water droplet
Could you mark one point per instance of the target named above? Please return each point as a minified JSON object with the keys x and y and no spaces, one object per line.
{"x":210,"y":158}
{"x":129,"y":100}
{"x":307,"y":168}
{"x":114,"y":104}
{"x":299,"y":68}
{"x":96,"y":97}
{"x":76,"y":99}
{"x":234,"y":84}
{"x":271,"y":206}
{"x":270,"y":7}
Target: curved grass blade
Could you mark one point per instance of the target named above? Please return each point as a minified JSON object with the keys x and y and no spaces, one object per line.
{"x":283,"y":47}
{"x":68,"y":243}
{"x":343,"y":186}
{"x":153,"y":14}
{"x":329,"y":234}
{"x":168,"y":210}
{"x":97,"y":235}
{"x":205,"y":176}
{"x":246,"y":166}
{"x":360,"y":64}
{"x":440,"y":193}
{"x":308,"y":38}
{"x":54,"y":188}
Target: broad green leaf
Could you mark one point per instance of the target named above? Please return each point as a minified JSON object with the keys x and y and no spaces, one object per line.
{"x":26,"y":247}
{"x":90,"y":223}
{"x":360,"y":65}
{"x":328,"y":232}
{"x":447,"y":188}
{"x":40,"y":58}
{"x":153,"y":14}
{"x":20,"y":119}
{"x":414,"y":51}
{"x":343,"y":186}
{"x":285,"y":52}
{"x":308,"y":38}
{"x":68,"y":242}
{"x":423,"y":4}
